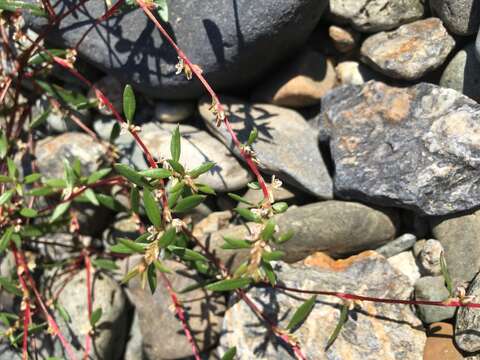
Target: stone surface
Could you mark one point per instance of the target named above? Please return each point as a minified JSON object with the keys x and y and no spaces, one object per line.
{"x":204,"y":309}
{"x":125,"y":226}
{"x":173,"y":111}
{"x":440,"y":344}
{"x":8,"y":270}
{"x":335,"y":227}
{"x":233,"y":42}
{"x":255,"y":196}
{"x":344,"y":39}
{"x":112,"y":327}
{"x":460,"y":237}
{"x":433,"y":288}
{"x":51,"y":151}
{"x":372,"y":16}
{"x":377,"y":331}
{"x":467,"y":335}
{"x":405,"y":264}
{"x":410,"y":51}
{"x":197,"y":147}
{"x":402,"y":243}
{"x":134,"y":347}
{"x":355,"y":73}
{"x":413,"y":147}
{"x":463,"y":73}
{"x":62,"y":246}
{"x":428,"y":254}
{"x":286,"y":145}
{"x":301,"y":83}
{"x":477,"y":46}
{"x":461,"y":17}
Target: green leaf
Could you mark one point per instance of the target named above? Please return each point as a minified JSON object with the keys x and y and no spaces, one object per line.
{"x":28,"y":212}
{"x":132,"y":245}
{"x":97,"y":175}
{"x":268,"y":230}
{"x":5,"y":179}
{"x":12,"y":168}
{"x":5,"y":239}
{"x":168,"y":237}
{"x":73,"y":98}
{"x":187,"y":254}
{"x":247,"y":214}
{"x":104,"y":264}
{"x":302,"y":313}
{"x":446,"y":275}
{"x":114,"y":133}
{"x":175,"y":148}
{"x":63,"y":312}
{"x":205,"y":167}
{"x":162,"y":268}
{"x":152,"y":278}
{"x":254,"y":185}
{"x":162,"y":8}
{"x":9,"y":286}
{"x":272,"y":278}
{"x":205,"y":189}
{"x":177,"y":166}
{"x":280,"y":207}
{"x":285,"y":237}
{"x":13,"y":5}
{"x":273,"y":255}
{"x":129,"y":103}
{"x":234,"y":244}
{"x":109,"y":202}
{"x":3,"y":144}
{"x":156,"y":173}
{"x":56,"y":183}
{"x":229,"y":284}
{"x":6,"y":196}
{"x":59,"y":211}
{"x":341,"y":321}
{"x":131,"y":175}
{"x":46,"y":56}
{"x":135,"y":200}
{"x":130,"y":276}
{"x":40,"y":119}
{"x":151,"y":208}
{"x":253,"y":136}
{"x":32,"y":178}
{"x":121,"y":249}
{"x":96,"y":316}
{"x":90,"y":195}
{"x":188,"y":203}
{"x":240,"y":199}
{"x":230,"y":354}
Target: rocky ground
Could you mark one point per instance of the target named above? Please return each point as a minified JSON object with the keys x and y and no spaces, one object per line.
{"x":369,"y":113}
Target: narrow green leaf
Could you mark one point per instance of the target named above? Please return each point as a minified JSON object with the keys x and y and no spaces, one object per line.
{"x":14,"y":5}
{"x":6,"y":196}
{"x":151,"y":208}
{"x":205,"y":167}
{"x":56,"y":183}
{"x":131,"y":175}
{"x":104,"y":264}
{"x":230,"y":354}
{"x":177,"y":166}
{"x":63,"y":312}
{"x":129,"y":103}
{"x":446,"y":275}
{"x":109,"y":202}
{"x":187,"y":254}
{"x":135,"y":200}
{"x":96,"y":316}
{"x":114,"y":133}
{"x":46,"y":56}
{"x":97,"y":175}
{"x":273,"y":255}
{"x":40,"y":119}
{"x":90,"y":195}
{"x":9,"y":286}
{"x":280,"y":207}
{"x":156,"y":173}
{"x":247,"y":214}
{"x":205,"y":189}
{"x":132,"y":245}
{"x":130,"y":276}
{"x":240,"y":199}
{"x":32,"y":178}
{"x":253,"y":136}
{"x":341,"y":321}
{"x":272,"y":278}
{"x":254,"y":185}
{"x":28,"y":212}
{"x":285,"y":237}
{"x":5,"y":179}
{"x":188,"y":203}
{"x":162,"y":268}
{"x":162,"y":8}
{"x":268,"y":230}
{"x":3,"y":144}
{"x":121,"y":249}
{"x":234,"y":244}
{"x":152,"y":278}
{"x":5,"y":239}
{"x":168,"y":237}
{"x":12,"y":168}
{"x":302,"y":313}
{"x":229,"y":284}
{"x":59,"y":211}
{"x":175,"y":148}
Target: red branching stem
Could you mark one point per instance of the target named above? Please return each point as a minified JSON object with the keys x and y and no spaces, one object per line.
{"x":26,"y":313}
{"x":48,"y":6}
{"x":22,"y":268}
{"x":219,"y":107}
{"x":181,"y":315}
{"x":88,"y":268}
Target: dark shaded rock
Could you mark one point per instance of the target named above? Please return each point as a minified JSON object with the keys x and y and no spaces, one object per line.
{"x":467,"y":336}
{"x":413,"y":147}
{"x":286,"y":145}
{"x":410,"y":51}
{"x":394,"y":247}
{"x":372,"y":16}
{"x":460,"y":237}
{"x":233,"y":42}
{"x":375,"y":331}
{"x":463,"y":73}
{"x":477,"y":46}
{"x":432,"y":288}
{"x":461,"y":17}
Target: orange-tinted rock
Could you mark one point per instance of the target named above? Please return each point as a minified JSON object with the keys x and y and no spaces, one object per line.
{"x":440,"y":345}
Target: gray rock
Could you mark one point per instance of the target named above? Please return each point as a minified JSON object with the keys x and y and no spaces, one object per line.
{"x":409,"y":147}
{"x":256,"y":196}
{"x":335,"y":227}
{"x":112,"y":327}
{"x":344,"y":39}
{"x":51,"y":151}
{"x":376,"y":331}
{"x":467,"y":336}
{"x":173,"y":111}
{"x":463,"y":73}
{"x":355,"y":73}
{"x":461,"y":17}
{"x":477,"y":46}
{"x":286,"y":145}
{"x":428,"y":254}
{"x":405,"y":264}
{"x":410,"y":51}
{"x":460,"y":237}
{"x":372,"y":16}
{"x":8,"y":270}
{"x":197,"y":147}
{"x":204,"y":311}
{"x":62,"y":246}
{"x":432,"y":288}
{"x":402,"y":243}
{"x":134,"y":347}
{"x":233,"y":42}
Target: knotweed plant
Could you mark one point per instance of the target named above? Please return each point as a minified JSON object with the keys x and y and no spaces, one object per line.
{"x":34,"y":206}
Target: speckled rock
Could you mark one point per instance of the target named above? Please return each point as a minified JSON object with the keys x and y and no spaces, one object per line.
{"x":355,"y":73}
{"x":460,"y":237}
{"x":467,"y":322}
{"x":433,"y":288}
{"x":410,"y":147}
{"x":197,"y":147}
{"x":463,"y":73}
{"x":461,"y":17}
{"x":286,"y":145}
{"x":233,"y":42}
{"x":410,"y":51}
{"x":344,"y":39}
{"x":428,"y":254}
{"x":405,"y":264}
{"x":377,"y":331}
{"x":173,"y":111}
{"x":372,"y":16}
{"x":400,"y":244}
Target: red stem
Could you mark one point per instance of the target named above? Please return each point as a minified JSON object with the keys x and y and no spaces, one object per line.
{"x":88,"y":267}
